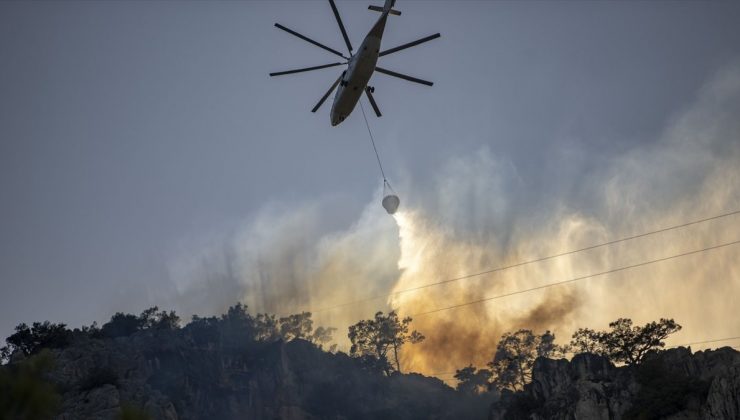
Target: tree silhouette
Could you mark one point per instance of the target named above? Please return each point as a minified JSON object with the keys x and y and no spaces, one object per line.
{"x":238,"y":328}
{"x":516,"y":352}
{"x":511,"y":366}
{"x":203,"y":330}
{"x":123,"y":325}
{"x":472,"y":381}
{"x":381,"y":335}
{"x":323,"y":335}
{"x":30,"y":340}
{"x":162,"y":320}
{"x":266,"y":328}
{"x":625,"y":343}
{"x":296,"y":326}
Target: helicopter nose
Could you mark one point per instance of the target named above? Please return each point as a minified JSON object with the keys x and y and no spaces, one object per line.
{"x":336,"y":119}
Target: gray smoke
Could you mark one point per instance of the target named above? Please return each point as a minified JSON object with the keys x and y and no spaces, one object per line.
{"x":480,"y":213}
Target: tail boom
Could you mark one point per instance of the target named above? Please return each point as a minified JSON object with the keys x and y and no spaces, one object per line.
{"x":387,"y":8}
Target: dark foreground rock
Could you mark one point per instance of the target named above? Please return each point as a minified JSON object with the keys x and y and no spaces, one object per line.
{"x":170,"y":377}
{"x":215,"y":373}
{"x":672,"y":384}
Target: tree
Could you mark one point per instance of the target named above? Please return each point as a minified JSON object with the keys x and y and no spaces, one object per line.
{"x":625,"y":343}
{"x":203,"y":331}
{"x":152,"y":318}
{"x":381,"y":335}
{"x":296,"y":326}
{"x":123,"y":325}
{"x":546,"y":347}
{"x":511,"y":366}
{"x":237,"y":314}
{"x":92,"y":331}
{"x":30,"y":340}
{"x":236,"y":327}
{"x":585,"y":340}
{"x":323,"y":335}
{"x":300,"y":326}
{"x":472,"y":381}
{"x":515,"y":354}
{"x":266,"y":328}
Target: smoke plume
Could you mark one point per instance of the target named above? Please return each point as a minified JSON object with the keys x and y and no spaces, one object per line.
{"x":472,"y":219}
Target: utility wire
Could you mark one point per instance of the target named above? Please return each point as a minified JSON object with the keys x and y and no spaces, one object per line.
{"x":705,"y":342}
{"x":523,"y":263}
{"x":372,"y":140}
{"x":573,"y":280}
{"x":668,"y":347}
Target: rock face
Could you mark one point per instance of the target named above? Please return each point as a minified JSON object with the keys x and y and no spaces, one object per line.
{"x":169,"y":377}
{"x":723,"y":401}
{"x":178,"y":374}
{"x":673,"y":384}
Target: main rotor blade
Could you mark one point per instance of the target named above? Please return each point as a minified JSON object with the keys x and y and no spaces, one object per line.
{"x":409,"y":45}
{"x":403,"y":76}
{"x":281,"y":73}
{"x":326,"y":95}
{"x":372,"y":102}
{"x":307,"y":39}
{"x":341,"y":25}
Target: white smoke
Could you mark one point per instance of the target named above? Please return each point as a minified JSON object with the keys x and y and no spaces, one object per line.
{"x":472,"y":219}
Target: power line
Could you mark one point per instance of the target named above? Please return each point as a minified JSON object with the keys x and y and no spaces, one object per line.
{"x":705,"y":342}
{"x":668,"y":347}
{"x":545,"y":286}
{"x":523,"y":263}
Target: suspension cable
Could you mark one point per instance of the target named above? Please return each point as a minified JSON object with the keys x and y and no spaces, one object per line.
{"x":372,"y":140}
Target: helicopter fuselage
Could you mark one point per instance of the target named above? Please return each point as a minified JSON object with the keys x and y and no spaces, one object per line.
{"x":353,"y":82}
{"x":355,"y":78}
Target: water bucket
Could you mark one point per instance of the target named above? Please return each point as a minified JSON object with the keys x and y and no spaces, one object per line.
{"x":390,"y":203}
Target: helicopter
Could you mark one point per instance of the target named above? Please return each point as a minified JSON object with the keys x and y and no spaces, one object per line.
{"x":360,"y":65}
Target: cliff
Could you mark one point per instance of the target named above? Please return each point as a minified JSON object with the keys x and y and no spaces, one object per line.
{"x":171,"y":377}
{"x":673,"y":384}
{"x":217,"y":374}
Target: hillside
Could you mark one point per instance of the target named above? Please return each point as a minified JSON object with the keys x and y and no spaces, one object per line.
{"x":241,"y":366}
{"x":671,"y":384}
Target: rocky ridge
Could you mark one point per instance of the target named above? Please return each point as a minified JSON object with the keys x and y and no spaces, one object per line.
{"x":170,"y":377}
{"x":673,"y":384}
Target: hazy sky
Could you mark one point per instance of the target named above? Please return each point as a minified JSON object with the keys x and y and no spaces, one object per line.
{"x":138,"y":137}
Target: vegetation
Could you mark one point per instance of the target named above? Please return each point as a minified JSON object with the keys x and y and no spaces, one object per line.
{"x":123,"y":325}
{"x":131,"y":412}
{"x":237,"y":326}
{"x":624,"y":343}
{"x":40,"y":335}
{"x":24,"y":393}
{"x":513,"y":360}
{"x":376,"y":344}
{"x":511,"y":367}
{"x":376,"y":338}
{"x":472,"y":381}
{"x":235,"y":329}
{"x":300,"y":326}
{"x":98,"y":377}
{"x":664,"y":392}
